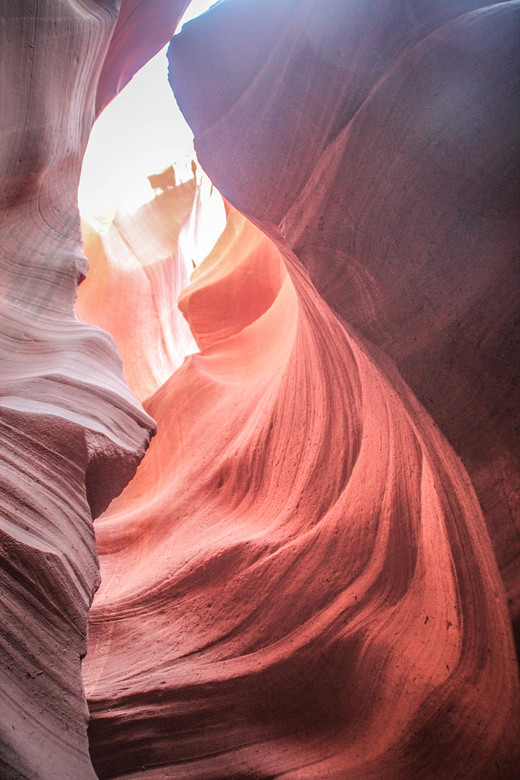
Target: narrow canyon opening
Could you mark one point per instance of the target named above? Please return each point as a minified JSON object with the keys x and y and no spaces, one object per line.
{"x":259,"y":480}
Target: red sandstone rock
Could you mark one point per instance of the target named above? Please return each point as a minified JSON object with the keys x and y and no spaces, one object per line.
{"x":380,"y":139}
{"x":299,"y":580}
{"x":131,"y":290}
{"x":237,"y":282}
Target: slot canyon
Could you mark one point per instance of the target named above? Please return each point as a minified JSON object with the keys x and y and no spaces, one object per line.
{"x":260,"y":437}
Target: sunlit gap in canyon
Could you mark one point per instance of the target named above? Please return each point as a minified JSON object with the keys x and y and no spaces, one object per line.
{"x":259,"y":497}
{"x":140,"y":133}
{"x":149,"y":216}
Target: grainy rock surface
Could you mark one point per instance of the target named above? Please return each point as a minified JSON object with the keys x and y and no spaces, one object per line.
{"x":380,"y":139}
{"x":301,"y":580}
{"x":72,"y":433}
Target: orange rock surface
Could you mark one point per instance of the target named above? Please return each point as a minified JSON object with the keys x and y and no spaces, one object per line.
{"x":380,"y":139}
{"x":298,"y":582}
{"x":136,"y":267}
{"x":313,"y":571}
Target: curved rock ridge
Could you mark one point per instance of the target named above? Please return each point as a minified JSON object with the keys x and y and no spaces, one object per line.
{"x":280,"y":598}
{"x":135,"y":267}
{"x":236,"y":283}
{"x":380,"y":139}
{"x":298,"y":582}
{"x":143,"y":27}
{"x":72,"y":432}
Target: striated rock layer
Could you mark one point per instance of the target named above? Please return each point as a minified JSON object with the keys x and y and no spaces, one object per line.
{"x":324,"y":599}
{"x":298,"y":582}
{"x":72,"y":433}
{"x":136,"y":274}
{"x":381,"y":140}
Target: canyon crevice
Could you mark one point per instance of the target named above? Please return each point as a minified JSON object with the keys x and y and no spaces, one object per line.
{"x":306,"y":503}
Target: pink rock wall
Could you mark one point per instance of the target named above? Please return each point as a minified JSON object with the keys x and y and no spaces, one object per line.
{"x":136,"y":269}
{"x":379,"y":139}
{"x":72,"y":432}
{"x":300,"y":580}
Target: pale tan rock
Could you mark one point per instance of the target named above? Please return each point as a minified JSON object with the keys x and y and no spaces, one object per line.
{"x":136,"y":274}
{"x":72,"y":432}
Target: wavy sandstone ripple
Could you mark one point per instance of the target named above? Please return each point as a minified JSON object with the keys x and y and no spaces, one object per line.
{"x":380,"y":137}
{"x":72,"y":433}
{"x":326,"y":601}
{"x":298,"y":582}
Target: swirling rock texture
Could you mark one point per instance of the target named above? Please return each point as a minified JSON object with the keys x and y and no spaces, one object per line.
{"x":300,"y":580}
{"x":393,"y":140}
{"x":380,"y":138}
{"x":325,"y":601}
{"x":135,"y":267}
{"x":72,"y":432}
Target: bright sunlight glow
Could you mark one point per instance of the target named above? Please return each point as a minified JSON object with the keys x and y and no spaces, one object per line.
{"x":195,"y":8}
{"x":141,"y":132}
